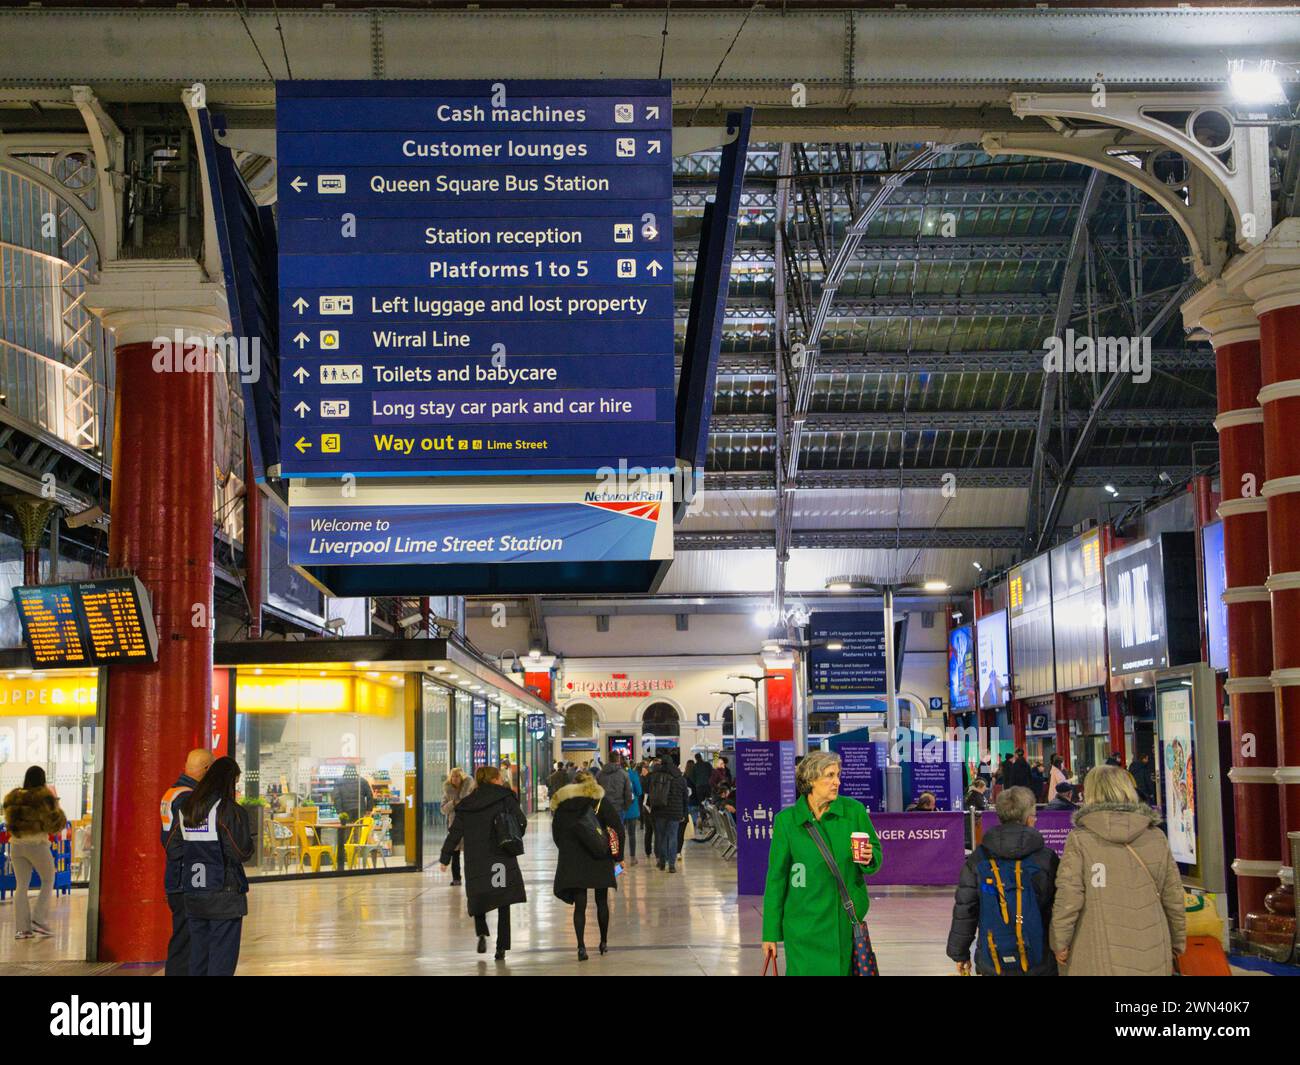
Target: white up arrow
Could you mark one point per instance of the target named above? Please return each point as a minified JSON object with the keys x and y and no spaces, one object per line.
{"x":301,"y":409}
{"x":300,"y":304}
{"x":297,"y":184}
{"x":301,"y":374}
{"x":301,"y":339}
{"x":654,"y":267}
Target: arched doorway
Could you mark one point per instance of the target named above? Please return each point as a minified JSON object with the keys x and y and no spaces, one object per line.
{"x":578,"y":742}
{"x":660,"y":730}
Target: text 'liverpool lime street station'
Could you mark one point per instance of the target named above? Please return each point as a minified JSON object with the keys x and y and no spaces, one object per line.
{"x":475,"y":281}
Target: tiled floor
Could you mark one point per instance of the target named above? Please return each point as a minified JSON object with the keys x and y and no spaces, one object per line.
{"x":688,"y":924}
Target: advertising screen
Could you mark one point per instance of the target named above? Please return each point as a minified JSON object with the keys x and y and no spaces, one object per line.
{"x":1179,"y":757}
{"x":1135,"y":608}
{"x":1216,"y":580}
{"x":991,"y":642}
{"x":961,"y":669}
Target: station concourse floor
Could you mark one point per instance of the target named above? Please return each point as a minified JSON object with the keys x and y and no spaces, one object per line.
{"x":687,"y":924}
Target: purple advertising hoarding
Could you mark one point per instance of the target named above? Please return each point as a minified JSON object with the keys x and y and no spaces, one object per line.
{"x":764,"y":787}
{"x":1053,"y":825}
{"x":937,"y":768}
{"x":923,"y":849}
{"x":862,"y":773}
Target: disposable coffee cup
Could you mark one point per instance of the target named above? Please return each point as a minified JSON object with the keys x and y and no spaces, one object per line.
{"x":861,"y":843}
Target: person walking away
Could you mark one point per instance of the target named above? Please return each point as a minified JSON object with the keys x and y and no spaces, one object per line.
{"x":666,"y":798}
{"x":588,"y":831}
{"x":647,"y":818}
{"x":1056,"y":775}
{"x":1119,"y":906}
{"x":1038,"y":782}
{"x":632,"y":815}
{"x":823,"y":847}
{"x":1004,"y":897}
{"x":556,"y":780}
{"x":698,"y":777}
{"x":1143,"y":778}
{"x":214,"y":842}
{"x":32,"y":814}
{"x":491,"y":824}
{"x":454,"y":789}
{"x":1021,"y":776}
{"x":169,"y":811}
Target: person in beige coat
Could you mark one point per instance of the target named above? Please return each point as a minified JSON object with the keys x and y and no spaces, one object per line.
{"x":454,"y":790}
{"x":1119,"y":907}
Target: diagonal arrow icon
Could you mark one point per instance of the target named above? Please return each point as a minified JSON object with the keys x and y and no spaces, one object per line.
{"x":653,"y":147}
{"x":652,"y":111}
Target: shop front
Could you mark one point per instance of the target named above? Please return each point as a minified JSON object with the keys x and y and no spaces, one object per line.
{"x":345,"y":757}
{"x":47,"y":718}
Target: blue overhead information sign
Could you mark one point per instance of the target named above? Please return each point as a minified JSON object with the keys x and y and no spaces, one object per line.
{"x":475,"y":277}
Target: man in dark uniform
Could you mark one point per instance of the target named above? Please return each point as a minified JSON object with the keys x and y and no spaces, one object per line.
{"x":178,"y":948}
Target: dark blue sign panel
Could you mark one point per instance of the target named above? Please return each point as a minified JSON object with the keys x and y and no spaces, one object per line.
{"x":475,"y":277}
{"x":862,"y":773}
{"x":847,"y":654}
{"x":937,"y":768}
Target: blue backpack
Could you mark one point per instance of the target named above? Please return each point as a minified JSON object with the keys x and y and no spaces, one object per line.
{"x":1011,"y":938}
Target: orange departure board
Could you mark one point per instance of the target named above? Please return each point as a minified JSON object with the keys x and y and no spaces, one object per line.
{"x":88,"y":622}
{"x":118,"y":622}
{"x":51,"y":621}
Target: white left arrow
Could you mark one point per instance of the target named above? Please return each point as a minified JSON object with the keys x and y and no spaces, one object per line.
{"x":300,"y":305}
{"x":297,"y":184}
{"x":301,"y":409}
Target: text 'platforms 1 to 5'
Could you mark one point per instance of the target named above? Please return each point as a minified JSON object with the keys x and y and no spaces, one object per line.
{"x":475,"y":277}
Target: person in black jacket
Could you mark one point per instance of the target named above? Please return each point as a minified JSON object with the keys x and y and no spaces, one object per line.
{"x":977,"y":796}
{"x":213,"y":844}
{"x":1064,"y":798}
{"x":492,"y":877}
{"x":1021,"y":775}
{"x":666,"y":800}
{"x":583,"y":825}
{"x":169,"y":811}
{"x":1144,"y":778}
{"x":1015,"y":839}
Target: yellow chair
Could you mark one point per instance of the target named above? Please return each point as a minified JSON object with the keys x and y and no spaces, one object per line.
{"x":358,"y":842}
{"x":310,"y":848}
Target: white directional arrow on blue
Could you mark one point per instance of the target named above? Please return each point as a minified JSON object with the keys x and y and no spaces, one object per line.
{"x":301,"y":409}
{"x":654,"y":267}
{"x":301,"y":339}
{"x":297,"y":184}
{"x":653,"y":147}
{"x":300,"y":305}
{"x":301,"y":374}
{"x":652,"y":112}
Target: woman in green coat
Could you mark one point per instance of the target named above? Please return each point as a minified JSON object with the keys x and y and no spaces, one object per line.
{"x":802,"y":905}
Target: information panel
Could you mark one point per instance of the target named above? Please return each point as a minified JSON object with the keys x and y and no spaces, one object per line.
{"x":52,"y":627}
{"x":475,"y":277}
{"x":88,"y":622}
{"x":994,"y":675}
{"x":847,"y":653}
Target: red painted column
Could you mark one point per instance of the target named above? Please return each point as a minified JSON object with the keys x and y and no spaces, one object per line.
{"x":1234,"y":331}
{"x":162,"y":530}
{"x":780,"y":704}
{"x":1275,"y":288}
{"x":1115,"y":721}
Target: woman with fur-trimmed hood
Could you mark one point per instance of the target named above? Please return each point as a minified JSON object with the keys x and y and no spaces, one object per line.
{"x":588,"y":832}
{"x":1119,"y":907}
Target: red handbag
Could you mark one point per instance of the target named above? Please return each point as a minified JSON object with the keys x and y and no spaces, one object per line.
{"x":776,"y":969}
